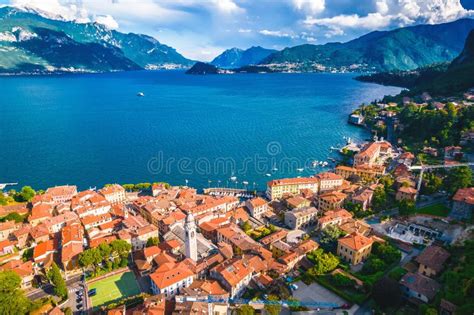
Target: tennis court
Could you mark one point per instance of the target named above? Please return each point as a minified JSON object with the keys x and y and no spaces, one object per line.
{"x":114,"y":288}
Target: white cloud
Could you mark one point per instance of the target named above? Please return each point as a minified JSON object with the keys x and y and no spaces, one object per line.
{"x":371,"y":21}
{"x":227,"y":6}
{"x":389,"y":13}
{"x":244,"y":30}
{"x":275,"y":33}
{"x":382,"y":6}
{"x":334,"y":31}
{"x":54,"y":9}
{"x":108,"y":21}
{"x":311,"y":6}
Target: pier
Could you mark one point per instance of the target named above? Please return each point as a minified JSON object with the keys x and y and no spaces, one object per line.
{"x":3,"y":185}
{"x":236,"y":192}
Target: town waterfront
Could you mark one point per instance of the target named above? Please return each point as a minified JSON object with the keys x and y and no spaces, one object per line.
{"x":94,"y":129}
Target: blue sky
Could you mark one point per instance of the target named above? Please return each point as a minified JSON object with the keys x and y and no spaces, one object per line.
{"x":201,"y":29}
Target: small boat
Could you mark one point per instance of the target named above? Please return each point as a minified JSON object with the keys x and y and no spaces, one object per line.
{"x":233,"y":178}
{"x":245,"y":182}
{"x":300,"y":169}
{"x":314,"y":163}
{"x":141,"y":94}
{"x":268,"y":175}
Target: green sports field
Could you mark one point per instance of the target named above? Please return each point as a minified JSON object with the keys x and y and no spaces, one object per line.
{"x":114,"y":288}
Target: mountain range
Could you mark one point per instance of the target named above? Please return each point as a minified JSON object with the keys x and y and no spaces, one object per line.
{"x":32,"y":43}
{"x":400,"y":49}
{"x":236,"y":58}
{"x":441,"y":79}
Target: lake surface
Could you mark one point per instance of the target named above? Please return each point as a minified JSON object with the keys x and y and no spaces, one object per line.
{"x":90,"y":130}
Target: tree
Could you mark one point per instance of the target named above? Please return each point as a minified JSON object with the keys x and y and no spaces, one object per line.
{"x":128,"y":187}
{"x":245,"y":310}
{"x":379,"y":198}
{"x":388,"y":253}
{"x":152,"y":241}
{"x":12,"y":298}
{"x":105,"y":250}
{"x":341,"y":280}
{"x":27,"y":254}
{"x":57,"y":280}
{"x":120,"y":248}
{"x":356,"y":208}
{"x":13,"y":216}
{"x":373,"y":265}
{"x":273,"y":307}
{"x":387,"y":182}
{"x":329,"y":237}
{"x":68,"y":311}
{"x":323,"y":262}
{"x":3,"y":199}
{"x":387,"y":293}
{"x":26,"y":194}
{"x":406,"y":207}
{"x":246,"y":226}
{"x":431,"y":183}
{"x":430,"y":311}
{"x":459,"y":177}
{"x":354,"y":178}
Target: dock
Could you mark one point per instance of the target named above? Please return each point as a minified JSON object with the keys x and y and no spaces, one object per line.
{"x":235,"y":192}
{"x":3,"y":185}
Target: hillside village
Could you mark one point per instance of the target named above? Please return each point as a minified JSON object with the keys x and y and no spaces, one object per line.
{"x":365,"y":236}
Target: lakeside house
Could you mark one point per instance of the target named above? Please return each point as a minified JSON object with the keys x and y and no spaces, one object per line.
{"x":354,"y":247}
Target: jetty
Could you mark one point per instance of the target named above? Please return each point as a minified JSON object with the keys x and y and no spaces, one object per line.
{"x":3,"y":185}
{"x":236,"y":192}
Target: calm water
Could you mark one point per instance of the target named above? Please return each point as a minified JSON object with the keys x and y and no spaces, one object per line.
{"x":93,"y":129}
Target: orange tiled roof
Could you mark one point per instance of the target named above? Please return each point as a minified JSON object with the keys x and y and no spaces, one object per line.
{"x":233,"y":271}
{"x":328,"y":176}
{"x":151,"y":251}
{"x":335,"y":214}
{"x":257,"y":202}
{"x":105,"y":239}
{"x":71,"y":233}
{"x":333,"y":197}
{"x":209,"y":287}
{"x":40,"y":211}
{"x":407,"y":190}
{"x":70,"y":251}
{"x":278,"y":235}
{"x":21,"y":268}
{"x":465,"y":195}
{"x":355,"y":241}
{"x":43,"y":248}
{"x":61,"y":190}
{"x":164,"y":279}
{"x":112,"y":189}
{"x":293,"y":181}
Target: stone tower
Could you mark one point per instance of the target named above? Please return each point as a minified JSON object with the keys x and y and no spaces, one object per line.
{"x":191,"y":243}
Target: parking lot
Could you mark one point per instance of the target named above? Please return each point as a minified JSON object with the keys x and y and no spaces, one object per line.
{"x":77,"y":298}
{"x":315,"y":293}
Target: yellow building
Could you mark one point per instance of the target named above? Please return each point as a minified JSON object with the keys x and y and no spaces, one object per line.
{"x":331,"y":200}
{"x":431,"y":261}
{"x":278,"y":187}
{"x":366,"y":172}
{"x":354,"y":248}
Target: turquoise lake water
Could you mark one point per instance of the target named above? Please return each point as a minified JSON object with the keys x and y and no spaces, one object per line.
{"x":90,"y":130}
